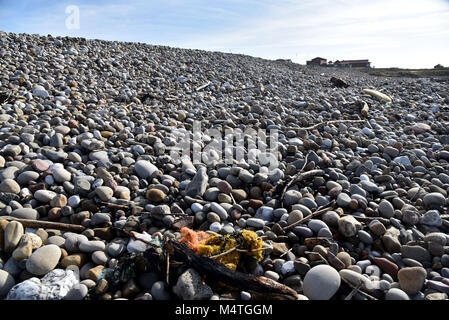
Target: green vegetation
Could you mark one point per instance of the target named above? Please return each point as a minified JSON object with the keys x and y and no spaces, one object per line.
{"x":413,"y":73}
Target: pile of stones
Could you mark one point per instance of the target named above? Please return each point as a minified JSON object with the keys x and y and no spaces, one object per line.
{"x":87,"y":130}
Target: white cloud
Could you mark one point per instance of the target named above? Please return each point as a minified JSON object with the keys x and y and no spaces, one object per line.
{"x":383,"y":31}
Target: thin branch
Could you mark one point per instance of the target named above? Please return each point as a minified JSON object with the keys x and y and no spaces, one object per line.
{"x":354,"y":291}
{"x":359,"y":291}
{"x":30,"y":223}
{"x":325,"y":123}
{"x":320,"y":211}
{"x":316,"y":254}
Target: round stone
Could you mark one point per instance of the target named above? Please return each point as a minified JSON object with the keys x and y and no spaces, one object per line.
{"x":396,"y":294}
{"x":9,"y":186}
{"x":92,"y":246}
{"x":40,"y":165}
{"x":365,"y":237}
{"x":6,"y":282}
{"x":159,"y":291}
{"x":218,"y":209}
{"x":434,"y":199}
{"x":348,"y":226}
{"x":104,"y":193}
{"x":100,"y":257}
{"x":27,"y":176}
{"x":255,"y":223}
{"x":412,"y":279}
{"x":155,"y":195}
{"x":25,"y":213}
{"x":321,"y":282}
{"x":77,"y":292}
{"x":74,"y":201}
{"x":61,"y":175}
{"x":44,"y":196}
{"x":431,"y":218}
{"x":43,"y":260}
{"x":99,"y":219}
{"x":355,"y":278}
{"x":224,"y":187}
{"x":316,"y":225}
{"x":144,"y":169}
{"x":294,"y":216}
{"x":12,"y":235}
{"x":386,"y":209}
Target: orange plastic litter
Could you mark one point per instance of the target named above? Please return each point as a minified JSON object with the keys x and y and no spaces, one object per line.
{"x":193,"y":238}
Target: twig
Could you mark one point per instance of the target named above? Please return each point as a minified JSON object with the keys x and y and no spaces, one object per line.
{"x":115,"y":205}
{"x":143,"y":96}
{"x":354,"y":291}
{"x":320,"y":211}
{"x":203,"y":86}
{"x":223,"y":253}
{"x":167,"y":272}
{"x":193,"y":200}
{"x":324,"y":123}
{"x":317,"y":254}
{"x":29,"y":223}
{"x":416,"y":195}
{"x":369,"y":219}
{"x":294,"y":178}
{"x":359,"y":291}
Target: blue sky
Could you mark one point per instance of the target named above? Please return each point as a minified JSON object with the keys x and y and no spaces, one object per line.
{"x":391,"y":33}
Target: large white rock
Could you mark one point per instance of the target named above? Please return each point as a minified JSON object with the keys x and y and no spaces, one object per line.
{"x":54,"y":286}
{"x":321,"y":282}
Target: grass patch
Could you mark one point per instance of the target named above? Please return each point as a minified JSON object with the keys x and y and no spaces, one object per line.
{"x":412,"y":73}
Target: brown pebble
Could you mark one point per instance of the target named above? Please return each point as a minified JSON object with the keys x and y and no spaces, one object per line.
{"x":345,"y":258}
{"x":76,"y":259}
{"x":387,"y":266}
{"x":54,"y":214}
{"x":59,"y":201}
{"x":102,"y":286}
{"x":155,"y":195}
{"x":256,"y":204}
{"x":95,"y":273}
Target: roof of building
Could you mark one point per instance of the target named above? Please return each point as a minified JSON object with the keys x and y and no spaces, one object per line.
{"x":352,"y":61}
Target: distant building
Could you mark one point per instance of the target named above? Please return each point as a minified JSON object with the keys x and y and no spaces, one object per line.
{"x":353,"y":63}
{"x":317,"y":62}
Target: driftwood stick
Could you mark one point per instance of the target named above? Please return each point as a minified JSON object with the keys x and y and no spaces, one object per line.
{"x":167,"y":271}
{"x":359,"y":291}
{"x":203,"y":86}
{"x":294,"y":178}
{"x":28,"y":223}
{"x":316,"y":254}
{"x":244,"y":89}
{"x":324,"y":123}
{"x":262,"y":286}
{"x":115,"y":205}
{"x":354,"y":291}
{"x":144,"y":96}
{"x":367,"y":220}
{"x":320,"y":211}
{"x":193,"y":200}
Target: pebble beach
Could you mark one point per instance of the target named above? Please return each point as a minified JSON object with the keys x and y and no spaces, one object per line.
{"x":356,"y":208}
